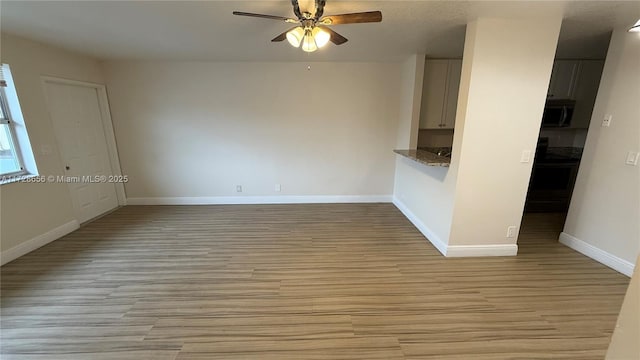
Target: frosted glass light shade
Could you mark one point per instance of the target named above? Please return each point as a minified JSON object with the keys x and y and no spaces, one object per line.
{"x":308,"y":42}
{"x":322,"y":37}
{"x":294,"y":37}
{"x":635,"y":27}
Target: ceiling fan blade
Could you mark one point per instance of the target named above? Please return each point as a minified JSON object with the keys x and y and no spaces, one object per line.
{"x":272,"y":17}
{"x":335,"y":37}
{"x":363,"y":17}
{"x":296,"y":8}
{"x":282,"y":36}
{"x":319,"y":8}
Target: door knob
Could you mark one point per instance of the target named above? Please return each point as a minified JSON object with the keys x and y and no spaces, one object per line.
{"x":67,"y":167}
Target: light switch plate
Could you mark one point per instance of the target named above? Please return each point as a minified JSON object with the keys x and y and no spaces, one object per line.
{"x":526,"y":156}
{"x":606,"y":122}
{"x":632,"y":158}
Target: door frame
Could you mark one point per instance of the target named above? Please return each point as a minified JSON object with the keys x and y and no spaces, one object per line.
{"x":107,"y":126}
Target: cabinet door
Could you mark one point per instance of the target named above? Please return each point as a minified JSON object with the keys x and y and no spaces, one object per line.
{"x":586,"y":91}
{"x":451,"y":101}
{"x":563,"y":77}
{"x":433,"y":94}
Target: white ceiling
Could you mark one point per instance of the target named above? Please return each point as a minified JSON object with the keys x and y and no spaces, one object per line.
{"x":206,"y":30}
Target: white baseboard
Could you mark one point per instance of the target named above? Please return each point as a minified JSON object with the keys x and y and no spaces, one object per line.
{"x":482,"y":250}
{"x":455,"y":250}
{"x":38,"y":241}
{"x":597,"y":254}
{"x":430,"y":235}
{"x":284,"y":199}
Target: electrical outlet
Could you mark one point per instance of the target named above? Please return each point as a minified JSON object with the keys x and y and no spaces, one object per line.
{"x":238,"y":188}
{"x":511,"y":231}
{"x":278,"y":188}
{"x":606,"y":122}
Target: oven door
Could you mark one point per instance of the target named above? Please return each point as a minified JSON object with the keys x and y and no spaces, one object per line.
{"x":551,"y":186}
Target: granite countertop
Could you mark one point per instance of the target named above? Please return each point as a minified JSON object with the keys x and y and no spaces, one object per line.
{"x":558,"y":154}
{"x":567,"y":151}
{"x":424,"y":157}
{"x":441,"y":151}
{"x":428,"y":155}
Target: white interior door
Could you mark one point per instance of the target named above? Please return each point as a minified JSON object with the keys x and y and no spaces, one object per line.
{"x":77,"y":121}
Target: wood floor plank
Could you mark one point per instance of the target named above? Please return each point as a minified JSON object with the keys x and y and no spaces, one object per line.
{"x":252,"y":328}
{"x":312,"y":281}
{"x":373,"y":347}
{"x":101,"y":355}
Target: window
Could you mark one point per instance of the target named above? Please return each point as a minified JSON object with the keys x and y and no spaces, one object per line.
{"x":10,"y":161}
{"x":16,"y":157}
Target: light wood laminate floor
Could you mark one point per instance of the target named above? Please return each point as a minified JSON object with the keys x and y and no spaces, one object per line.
{"x":327,"y":281}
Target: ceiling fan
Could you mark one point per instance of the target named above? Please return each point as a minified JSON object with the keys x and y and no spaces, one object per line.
{"x":312,"y":31}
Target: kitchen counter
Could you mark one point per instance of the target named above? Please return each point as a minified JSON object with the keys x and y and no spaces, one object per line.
{"x":558,"y":155}
{"x":440,"y":151}
{"x":424,"y":157}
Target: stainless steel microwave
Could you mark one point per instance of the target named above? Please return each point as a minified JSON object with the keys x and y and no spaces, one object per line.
{"x":558,"y":113}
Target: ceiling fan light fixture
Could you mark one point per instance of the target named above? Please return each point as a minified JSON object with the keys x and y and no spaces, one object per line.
{"x":321,"y":37}
{"x":635,"y":27}
{"x":312,"y":32}
{"x":308,"y":42}
{"x":295,"y":36}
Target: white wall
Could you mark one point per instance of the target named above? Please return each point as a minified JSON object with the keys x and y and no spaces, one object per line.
{"x":507,"y":65}
{"x":435,"y":138}
{"x":196,"y":130}
{"x":410,"y":99}
{"x":38,"y":212}
{"x":465,"y":210}
{"x":424,"y":194}
{"x":605,"y":206}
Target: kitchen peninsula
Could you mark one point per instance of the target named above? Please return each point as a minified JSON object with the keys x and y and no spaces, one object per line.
{"x":425,"y":157}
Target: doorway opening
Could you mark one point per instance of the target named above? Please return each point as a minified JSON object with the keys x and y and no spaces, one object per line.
{"x":571,"y":96}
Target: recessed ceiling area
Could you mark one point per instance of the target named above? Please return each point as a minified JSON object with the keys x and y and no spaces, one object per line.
{"x":207,"y":30}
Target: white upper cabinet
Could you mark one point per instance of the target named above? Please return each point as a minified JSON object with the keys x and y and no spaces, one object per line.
{"x":440,"y":93}
{"x":563,"y":79}
{"x":453,"y":85}
{"x":576,"y":80}
{"x":433,"y":93}
{"x":586,"y":90}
